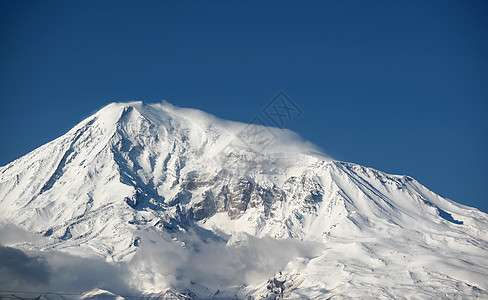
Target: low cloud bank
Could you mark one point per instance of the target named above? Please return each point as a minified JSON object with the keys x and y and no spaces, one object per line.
{"x":217,"y":265}
{"x":53,"y":271}
{"x":161,"y":262}
{"x":19,"y":269}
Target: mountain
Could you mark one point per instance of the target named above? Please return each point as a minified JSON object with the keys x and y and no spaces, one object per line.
{"x":173,"y":202}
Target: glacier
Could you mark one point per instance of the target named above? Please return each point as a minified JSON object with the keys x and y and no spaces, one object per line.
{"x":159,"y":201}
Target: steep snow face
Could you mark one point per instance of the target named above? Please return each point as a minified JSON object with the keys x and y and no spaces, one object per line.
{"x":133,"y":171}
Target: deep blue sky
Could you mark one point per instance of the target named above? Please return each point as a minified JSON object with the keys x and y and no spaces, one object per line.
{"x":401,"y":86}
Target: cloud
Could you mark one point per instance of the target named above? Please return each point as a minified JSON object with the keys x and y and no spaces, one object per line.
{"x":25,"y":269}
{"x":56,"y":271}
{"x":79,"y":274}
{"x":212,"y":264}
{"x":17,"y":268}
{"x":249,"y":136}
{"x":201,"y":262}
{"x":11,"y":234}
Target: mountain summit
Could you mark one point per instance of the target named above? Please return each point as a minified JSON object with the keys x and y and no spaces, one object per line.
{"x":194,"y":207}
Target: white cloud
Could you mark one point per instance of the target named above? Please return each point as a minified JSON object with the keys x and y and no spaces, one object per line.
{"x":186,"y":263}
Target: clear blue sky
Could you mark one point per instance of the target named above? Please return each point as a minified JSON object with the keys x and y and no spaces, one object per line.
{"x":401,"y":86}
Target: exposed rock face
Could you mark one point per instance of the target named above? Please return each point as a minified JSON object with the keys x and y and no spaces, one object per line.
{"x":203,"y":208}
{"x":225,"y":193}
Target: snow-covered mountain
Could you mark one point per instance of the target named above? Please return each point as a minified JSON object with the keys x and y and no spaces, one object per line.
{"x":177,"y":203}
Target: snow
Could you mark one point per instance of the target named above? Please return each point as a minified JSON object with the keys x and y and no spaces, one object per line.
{"x":177,"y":202}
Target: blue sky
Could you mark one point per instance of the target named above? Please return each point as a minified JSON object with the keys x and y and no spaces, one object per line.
{"x":401,"y":86}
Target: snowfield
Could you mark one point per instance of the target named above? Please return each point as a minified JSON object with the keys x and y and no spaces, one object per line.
{"x":155,"y":200}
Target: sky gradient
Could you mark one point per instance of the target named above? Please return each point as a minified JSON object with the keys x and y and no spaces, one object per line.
{"x":401,"y":86}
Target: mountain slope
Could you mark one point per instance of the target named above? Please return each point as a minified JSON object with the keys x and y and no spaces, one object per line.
{"x":135,"y":182}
